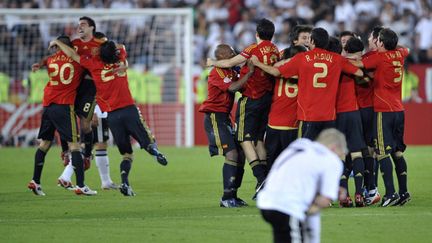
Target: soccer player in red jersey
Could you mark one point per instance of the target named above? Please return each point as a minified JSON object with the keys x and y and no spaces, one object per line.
{"x":85,"y":102}
{"x":318,"y":71}
{"x":364,"y":94}
{"x":124,"y":118}
{"x":58,"y":114}
{"x":389,"y":114}
{"x":254,"y":105}
{"x":282,"y":127}
{"x":222,"y":84}
{"x":348,"y":121}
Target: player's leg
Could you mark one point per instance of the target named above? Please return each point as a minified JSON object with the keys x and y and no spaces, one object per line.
{"x":65,"y":155}
{"x":273,"y":145}
{"x":383,"y":137}
{"x":310,"y":130}
{"x":312,"y":228}
{"x":399,"y":160}
{"x":101,"y":136}
{"x":246,"y":119}
{"x":116,"y":121}
{"x":358,"y":170}
{"x":348,"y":167}
{"x":285,"y":227}
{"x":46,"y":133}
{"x":261,"y":117}
{"x":138,"y":129}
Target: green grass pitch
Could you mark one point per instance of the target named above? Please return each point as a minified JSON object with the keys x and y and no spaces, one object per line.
{"x":180,"y":203}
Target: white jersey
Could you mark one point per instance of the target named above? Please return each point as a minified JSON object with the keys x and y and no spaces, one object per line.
{"x":301,"y":171}
{"x":99,"y":113}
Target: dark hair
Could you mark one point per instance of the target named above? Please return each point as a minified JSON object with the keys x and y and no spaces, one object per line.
{"x":320,"y":37}
{"x":294,"y":34}
{"x":334,"y":45}
{"x":90,"y":22}
{"x":354,"y":45}
{"x":108,"y":52}
{"x":99,"y":35}
{"x":65,"y":39}
{"x":347,"y":33}
{"x":375,"y":31}
{"x":292,"y":51}
{"x":389,"y":38}
{"x":265,"y":29}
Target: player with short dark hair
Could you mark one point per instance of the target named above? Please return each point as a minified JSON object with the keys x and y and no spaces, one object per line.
{"x":300,"y":35}
{"x":389,"y":114}
{"x":282,"y":127}
{"x":365,"y":95}
{"x":124,"y":118}
{"x":348,"y":121}
{"x":222,"y":84}
{"x":58,"y":114}
{"x":318,"y":71}
{"x":254,"y":105}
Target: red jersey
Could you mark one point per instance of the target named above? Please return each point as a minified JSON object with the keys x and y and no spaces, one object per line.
{"x":319,"y":72}
{"x":89,"y":48}
{"x":260,"y":82}
{"x":219,"y":99}
{"x":388,"y":67}
{"x":112,"y":90}
{"x":364,"y":92}
{"x":346,"y":97}
{"x":283,"y":110}
{"x":65,"y":75}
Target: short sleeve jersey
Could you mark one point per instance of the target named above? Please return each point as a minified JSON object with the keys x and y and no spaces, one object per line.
{"x":219,"y":98}
{"x":346,"y":97}
{"x":364,"y":92}
{"x":388,"y":76}
{"x":260,"y":82}
{"x":301,"y":171}
{"x":89,"y":48}
{"x":65,"y":75}
{"x":112,"y":90}
{"x":283,"y":110}
{"x":319,"y":72}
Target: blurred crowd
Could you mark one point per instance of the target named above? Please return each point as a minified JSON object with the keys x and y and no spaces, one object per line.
{"x":233,"y":22}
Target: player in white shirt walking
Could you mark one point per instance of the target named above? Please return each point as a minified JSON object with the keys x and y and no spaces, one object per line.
{"x":303,"y":180}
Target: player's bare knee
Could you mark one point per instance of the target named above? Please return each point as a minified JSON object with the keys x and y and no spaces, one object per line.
{"x":74,"y":147}
{"x":399,"y":154}
{"x":101,"y":146}
{"x":232,"y":155}
{"x":85,"y":125}
{"x":127,"y":156}
{"x":356,"y":155}
{"x":45,"y":145}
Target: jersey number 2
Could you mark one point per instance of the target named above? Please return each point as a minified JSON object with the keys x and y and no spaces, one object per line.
{"x":319,"y":75}
{"x":61,"y":70}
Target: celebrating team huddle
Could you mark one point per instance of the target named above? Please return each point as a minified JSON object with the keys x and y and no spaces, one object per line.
{"x":319,"y":82}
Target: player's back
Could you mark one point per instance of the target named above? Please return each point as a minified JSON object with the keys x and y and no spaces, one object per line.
{"x":65,"y":75}
{"x":388,"y":80}
{"x":319,"y":73}
{"x":283,"y":110}
{"x":260,"y":82}
{"x":346,"y":96}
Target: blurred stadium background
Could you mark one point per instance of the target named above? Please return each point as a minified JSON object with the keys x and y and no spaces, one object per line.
{"x":168,"y":42}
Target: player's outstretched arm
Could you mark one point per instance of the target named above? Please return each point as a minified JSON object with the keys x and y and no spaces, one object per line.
{"x":226,"y":63}
{"x":235,"y":86}
{"x":36,"y":66}
{"x":266,"y":68}
{"x":66,"y":49}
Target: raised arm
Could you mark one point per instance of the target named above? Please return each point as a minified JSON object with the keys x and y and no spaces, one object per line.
{"x":266,"y":68}
{"x":66,"y":49}
{"x":226,"y":63}
{"x":39,"y":65}
{"x":235,"y":86}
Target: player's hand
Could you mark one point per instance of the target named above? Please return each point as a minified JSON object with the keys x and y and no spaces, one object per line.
{"x":120,"y":69}
{"x":52,"y":44}
{"x":210,"y":62}
{"x":35,"y":67}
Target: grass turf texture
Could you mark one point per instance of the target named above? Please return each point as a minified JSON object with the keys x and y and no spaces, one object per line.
{"x":180,"y":203}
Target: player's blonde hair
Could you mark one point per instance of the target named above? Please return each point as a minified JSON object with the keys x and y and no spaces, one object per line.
{"x":332,"y":136}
